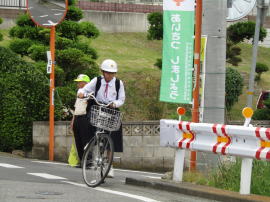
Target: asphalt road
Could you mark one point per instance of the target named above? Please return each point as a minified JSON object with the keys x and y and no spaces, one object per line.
{"x":47,"y":14}
{"x":33,"y":180}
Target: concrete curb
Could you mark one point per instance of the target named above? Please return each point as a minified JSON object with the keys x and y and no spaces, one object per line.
{"x":196,"y":190}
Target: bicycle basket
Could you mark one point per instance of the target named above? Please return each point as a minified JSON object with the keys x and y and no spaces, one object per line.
{"x":105,"y":118}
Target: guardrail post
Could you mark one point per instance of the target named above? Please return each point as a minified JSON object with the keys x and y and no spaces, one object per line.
{"x":178,"y":165}
{"x":246,"y":167}
{"x":179,"y":155}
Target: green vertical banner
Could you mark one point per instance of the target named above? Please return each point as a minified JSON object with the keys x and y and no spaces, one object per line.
{"x":177,"y":56}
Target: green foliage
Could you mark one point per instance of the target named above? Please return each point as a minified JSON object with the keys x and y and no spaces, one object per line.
{"x":233,"y":53}
{"x":155,"y":30}
{"x":74,"y":13}
{"x":63,"y":43}
{"x":72,"y":2}
{"x":228,"y":177}
{"x":86,"y":49}
{"x":25,"y":32}
{"x":240,"y":31}
{"x":24,"y":99}
{"x":74,"y":61}
{"x":37,"y":52}
{"x":158,"y":63}
{"x":1,"y":21}
{"x":20,"y":46}
{"x":89,"y":30}
{"x":233,"y":87}
{"x":68,"y":29}
{"x":261,"y":68}
{"x":24,"y":20}
{"x":263,"y":114}
{"x":237,"y":33}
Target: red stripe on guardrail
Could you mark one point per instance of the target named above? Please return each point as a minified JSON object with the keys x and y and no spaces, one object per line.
{"x":267,"y":132}
{"x":258,"y":153}
{"x":223,"y":129}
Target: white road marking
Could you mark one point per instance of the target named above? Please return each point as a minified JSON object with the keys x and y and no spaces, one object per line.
{"x":43,"y":16}
{"x":153,"y":177}
{"x":142,"y":198}
{"x":58,"y":10}
{"x":6,"y":165}
{"x":49,"y":162}
{"x":135,"y":171}
{"x":58,"y":14}
{"x":47,"y":176}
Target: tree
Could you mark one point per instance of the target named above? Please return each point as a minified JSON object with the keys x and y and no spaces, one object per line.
{"x":260,"y":68}
{"x":237,"y":33}
{"x":233,"y":87}
{"x":73,"y":55}
{"x":155,"y":30}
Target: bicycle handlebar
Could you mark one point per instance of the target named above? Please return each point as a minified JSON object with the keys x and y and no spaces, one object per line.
{"x":91,"y":96}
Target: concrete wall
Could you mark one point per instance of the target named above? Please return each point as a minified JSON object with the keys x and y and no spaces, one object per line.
{"x":141,"y":145}
{"x":108,"y":21}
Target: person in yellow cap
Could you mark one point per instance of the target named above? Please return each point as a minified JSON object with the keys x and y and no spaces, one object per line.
{"x":80,"y":124}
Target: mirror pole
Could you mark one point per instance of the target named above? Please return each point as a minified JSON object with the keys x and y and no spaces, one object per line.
{"x":51,"y":137}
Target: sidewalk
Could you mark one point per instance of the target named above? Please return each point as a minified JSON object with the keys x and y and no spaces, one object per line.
{"x":195,"y":190}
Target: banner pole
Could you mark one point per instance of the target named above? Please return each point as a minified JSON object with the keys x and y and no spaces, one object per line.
{"x":51,"y":118}
{"x":197,"y":50}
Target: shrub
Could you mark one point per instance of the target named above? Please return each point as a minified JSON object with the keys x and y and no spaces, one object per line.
{"x":38,"y":52}
{"x":158,"y":63}
{"x":155,"y":30}
{"x":74,"y":13}
{"x":240,"y":31}
{"x":233,"y":87}
{"x":69,"y":29}
{"x":63,"y":43}
{"x":24,"y":99}
{"x":59,"y":72}
{"x":261,"y":114}
{"x":260,"y":68}
{"x":89,"y":30}
{"x":86,"y":49}
{"x":24,"y":20}
{"x":233,"y":53}
{"x":25,"y":32}
{"x":20,"y":46}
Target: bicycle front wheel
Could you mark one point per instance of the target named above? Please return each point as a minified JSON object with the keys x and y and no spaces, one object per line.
{"x":97,"y":160}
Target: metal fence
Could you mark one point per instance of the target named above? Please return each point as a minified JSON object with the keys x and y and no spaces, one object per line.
{"x":13,"y":3}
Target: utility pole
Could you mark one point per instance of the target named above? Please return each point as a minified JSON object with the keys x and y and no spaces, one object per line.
{"x":262,"y":6}
{"x":214,"y":27}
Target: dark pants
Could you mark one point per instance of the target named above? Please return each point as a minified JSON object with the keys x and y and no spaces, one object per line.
{"x":82,"y":133}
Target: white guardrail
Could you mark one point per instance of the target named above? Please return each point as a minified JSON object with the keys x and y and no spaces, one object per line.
{"x":247,"y":142}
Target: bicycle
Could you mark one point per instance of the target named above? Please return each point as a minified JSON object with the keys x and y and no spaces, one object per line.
{"x":98,"y":154}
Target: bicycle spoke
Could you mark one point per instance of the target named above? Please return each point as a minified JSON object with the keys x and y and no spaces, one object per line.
{"x":97,"y":160}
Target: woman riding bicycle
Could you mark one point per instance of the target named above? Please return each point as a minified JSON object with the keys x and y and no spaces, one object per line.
{"x":107,"y":89}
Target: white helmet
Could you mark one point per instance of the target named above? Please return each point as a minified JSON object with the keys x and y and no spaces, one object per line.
{"x":109,"y":65}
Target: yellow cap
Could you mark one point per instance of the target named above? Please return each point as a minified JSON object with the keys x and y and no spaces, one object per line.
{"x":247,"y":112}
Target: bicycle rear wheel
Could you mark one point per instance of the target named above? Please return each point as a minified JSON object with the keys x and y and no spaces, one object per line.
{"x":97,"y":159}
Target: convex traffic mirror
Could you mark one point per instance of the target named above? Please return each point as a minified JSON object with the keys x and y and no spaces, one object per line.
{"x":47,"y":13}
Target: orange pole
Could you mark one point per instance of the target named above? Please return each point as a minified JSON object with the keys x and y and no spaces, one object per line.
{"x":196,"y":90}
{"x":51,"y":137}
